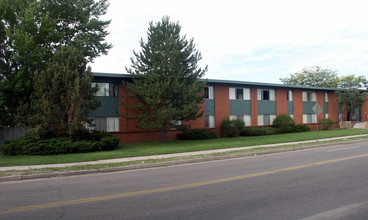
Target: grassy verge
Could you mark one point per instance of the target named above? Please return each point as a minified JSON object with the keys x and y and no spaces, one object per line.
{"x":155,"y":148}
{"x":96,"y":167}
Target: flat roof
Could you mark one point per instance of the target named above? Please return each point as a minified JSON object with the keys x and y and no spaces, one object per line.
{"x":220,"y":81}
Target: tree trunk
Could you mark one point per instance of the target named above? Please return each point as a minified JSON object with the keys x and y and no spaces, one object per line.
{"x":163,"y":132}
{"x":163,"y":135}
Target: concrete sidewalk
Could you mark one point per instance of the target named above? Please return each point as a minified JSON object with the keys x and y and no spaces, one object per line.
{"x":143,"y":158}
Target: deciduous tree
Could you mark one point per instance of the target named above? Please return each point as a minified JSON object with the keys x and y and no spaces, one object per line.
{"x":30,"y":33}
{"x":351,"y":89}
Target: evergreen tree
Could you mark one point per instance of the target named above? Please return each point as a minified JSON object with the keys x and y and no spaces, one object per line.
{"x":63,"y":94}
{"x":165,"y":83}
{"x":30,"y":33}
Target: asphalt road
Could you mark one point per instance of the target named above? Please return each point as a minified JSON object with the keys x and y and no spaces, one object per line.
{"x":324,"y":183}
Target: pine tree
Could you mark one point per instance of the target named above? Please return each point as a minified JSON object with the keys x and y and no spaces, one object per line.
{"x":63,"y":94}
{"x":165,"y":83}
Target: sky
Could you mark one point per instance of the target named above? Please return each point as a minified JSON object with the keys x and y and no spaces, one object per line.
{"x":248,"y":40}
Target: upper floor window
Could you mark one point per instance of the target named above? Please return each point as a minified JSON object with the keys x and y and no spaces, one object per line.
{"x":208,"y":92}
{"x":326,"y":96}
{"x":106,"y":89}
{"x":309,"y":96}
{"x":289,"y":95}
{"x":266,"y":94}
{"x":239,"y":93}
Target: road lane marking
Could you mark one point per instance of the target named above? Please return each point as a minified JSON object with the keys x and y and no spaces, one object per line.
{"x":346,"y":148}
{"x":177,"y":187}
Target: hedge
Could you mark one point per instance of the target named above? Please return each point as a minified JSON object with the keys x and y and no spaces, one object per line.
{"x":197,"y":134}
{"x":36,"y":144}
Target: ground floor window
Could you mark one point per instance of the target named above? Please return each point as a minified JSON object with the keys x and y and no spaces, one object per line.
{"x":209,"y":121}
{"x":326,"y":115}
{"x":247,"y":119}
{"x":106,"y":124}
{"x":309,"y":118}
{"x":266,"y":119}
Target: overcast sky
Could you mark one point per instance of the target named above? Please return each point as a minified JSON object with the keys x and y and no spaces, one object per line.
{"x":249,"y":40}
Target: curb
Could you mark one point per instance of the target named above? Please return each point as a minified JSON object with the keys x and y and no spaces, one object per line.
{"x":165,"y":164}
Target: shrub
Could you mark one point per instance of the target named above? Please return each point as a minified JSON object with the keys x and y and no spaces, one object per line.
{"x":283,"y":123}
{"x":231,"y":128}
{"x":258,"y":131}
{"x":197,"y":134}
{"x":300,"y":128}
{"x":36,"y":144}
{"x":326,"y":123}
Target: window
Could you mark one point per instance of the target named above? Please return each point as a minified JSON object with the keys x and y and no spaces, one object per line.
{"x":175,"y":123}
{"x":106,"y":89}
{"x":309,"y":96}
{"x":106,"y":124}
{"x":326,"y":97}
{"x":112,"y":124}
{"x":291,"y":116}
{"x":266,"y":119}
{"x":309,"y":118}
{"x":266,"y":94}
{"x":209,"y":121}
{"x":208,"y":92}
{"x":247,"y":119}
{"x":326,"y":115}
{"x":289,"y":95}
{"x":239,"y":93}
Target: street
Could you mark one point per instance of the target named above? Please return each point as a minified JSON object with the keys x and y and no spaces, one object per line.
{"x":320,"y":183}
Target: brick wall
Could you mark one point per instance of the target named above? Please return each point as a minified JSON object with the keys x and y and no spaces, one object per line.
{"x":298,"y":106}
{"x":222,"y":105}
{"x":253,"y":96}
{"x":333,"y":113}
{"x":365,"y":111}
{"x":281,"y":101}
{"x":321,"y":101}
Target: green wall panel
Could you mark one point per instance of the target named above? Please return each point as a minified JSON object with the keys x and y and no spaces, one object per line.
{"x":326,"y":107}
{"x":240,"y":107}
{"x":209,"y":107}
{"x":290,"y":107}
{"x":266,"y":107}
{"x":307,"y":107}
{"x":109,"y":107}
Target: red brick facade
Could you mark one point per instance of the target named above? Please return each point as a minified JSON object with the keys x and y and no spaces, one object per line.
{"x":222,"y":103}
{"x":281,"y":101}
{"x":128,"y":131}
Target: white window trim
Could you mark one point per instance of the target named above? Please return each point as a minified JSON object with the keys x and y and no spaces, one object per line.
{"x":305,"y":119}
{"x":326,"y":96}
{"x":272,"y":96}
{"x":261,"y":119}
{"x":313,"y":96}
{"x":210,"y":92}
{"x":290,"y":94}
{"x":232,"y":93}
{"x":112,"y":124}
{"x":247,"y":119}
{"x":211,"y":121}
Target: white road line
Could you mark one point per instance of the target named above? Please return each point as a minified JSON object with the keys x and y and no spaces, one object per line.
{"x":346,"y":148}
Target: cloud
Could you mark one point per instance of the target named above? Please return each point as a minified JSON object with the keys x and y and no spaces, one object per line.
{"x":247,"y":40}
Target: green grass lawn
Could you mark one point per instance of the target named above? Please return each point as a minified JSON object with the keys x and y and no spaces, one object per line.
{"x":156,"y":148}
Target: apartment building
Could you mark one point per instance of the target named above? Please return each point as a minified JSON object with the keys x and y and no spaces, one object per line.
{"x":257,"y":104}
